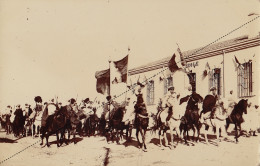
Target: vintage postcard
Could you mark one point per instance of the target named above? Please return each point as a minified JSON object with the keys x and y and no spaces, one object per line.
{"x":127,"y":82}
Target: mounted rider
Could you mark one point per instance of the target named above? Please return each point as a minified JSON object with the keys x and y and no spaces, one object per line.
{"x":50,"y":108}
{"x":70,"y":107}
{"x":169,"y":101}
{"x":215,"y":102}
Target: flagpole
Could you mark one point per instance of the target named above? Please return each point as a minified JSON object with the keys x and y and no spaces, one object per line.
{"x":127,"y":73}
{"x":223,"y":74}
{"x":109,"y":89}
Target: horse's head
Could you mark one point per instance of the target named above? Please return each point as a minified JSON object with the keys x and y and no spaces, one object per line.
{"x":140,"y":98}
{"x":64,"y":111}
{"x":241,"y":106}
{"x":245,"y":103}
{"x":184,"y":120}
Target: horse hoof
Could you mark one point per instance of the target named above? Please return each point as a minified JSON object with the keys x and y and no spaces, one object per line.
{"x":145,"y":150}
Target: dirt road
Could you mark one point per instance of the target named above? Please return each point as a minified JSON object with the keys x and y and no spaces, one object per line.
{"x":96,"y":151}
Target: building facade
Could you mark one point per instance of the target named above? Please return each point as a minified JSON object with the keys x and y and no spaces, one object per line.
{"x":228,"y":65}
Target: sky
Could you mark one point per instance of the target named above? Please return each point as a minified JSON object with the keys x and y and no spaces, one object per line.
{"x":54,"y":47}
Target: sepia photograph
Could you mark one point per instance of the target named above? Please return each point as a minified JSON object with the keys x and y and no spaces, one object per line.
{"x":128,"y":82}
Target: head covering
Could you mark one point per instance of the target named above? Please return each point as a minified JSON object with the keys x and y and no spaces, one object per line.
{"x":86,"y":100}
{"x":213,"y":88}
{"x":38,"y":99}
{"x":108,"y":98}
{"x":171,"y":88}
{"x":52,"y":101}
{"x":26,"y":105}
{"x":72,"y":101}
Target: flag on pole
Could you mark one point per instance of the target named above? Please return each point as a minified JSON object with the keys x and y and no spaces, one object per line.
{"x":177,"y":61}
{"x":239,"y":65}
{"x":207,"y":70}
{"x":121,"y":70}
{"x":103,"y":81}
{"x":172,"y":64}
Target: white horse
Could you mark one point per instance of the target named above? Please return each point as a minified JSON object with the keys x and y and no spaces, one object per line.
{"x":217,"y":122}
{"x":172,"y":124}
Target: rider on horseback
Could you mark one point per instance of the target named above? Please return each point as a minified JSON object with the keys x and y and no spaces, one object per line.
{"x":209,"y":114}
{"x":169,"y":101}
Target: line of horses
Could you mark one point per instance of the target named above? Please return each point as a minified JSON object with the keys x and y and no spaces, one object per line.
{"x":65,"y":123}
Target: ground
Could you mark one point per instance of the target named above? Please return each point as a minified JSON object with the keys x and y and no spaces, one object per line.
{"x":96,"y":151}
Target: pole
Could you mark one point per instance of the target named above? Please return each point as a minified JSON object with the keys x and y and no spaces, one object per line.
{"x":110,"y":83}
{"x":223,"y":73}
{"x":127,"y":73}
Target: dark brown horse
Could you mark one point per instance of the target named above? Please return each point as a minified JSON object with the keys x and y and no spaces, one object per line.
{"x":90,"y":124}
{"x":141,"y":123}
{"x":115,"y":125}
{"x":236,"y":116}
{"x":19,"y":122}
{"x":191,"y":116}
{"x":209,"y":103}
{"x":73,"y":124}
{"x":55,"y":124}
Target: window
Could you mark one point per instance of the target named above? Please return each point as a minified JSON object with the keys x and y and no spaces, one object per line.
{"x":245,"y":82}
{"x":214,"y":79}
{"x":167,"y":83}
{"x":192,"y":79}
{"x":150,"y":92}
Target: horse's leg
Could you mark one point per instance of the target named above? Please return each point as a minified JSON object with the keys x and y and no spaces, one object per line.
{"x":206,"y":134}
{"x":159,"y":133}
{"x":227,"y":123}
{"x":74,"y":136}
{"x":144,"y":140}
{"x":57,"y":135}
{"x":47,"y":140}
{"x":137,"y":132}
{"x":198,"y":132}
{"x":236,"y":133}
{"x":68,"y":130}
{"x":217,"y":133}
{"x":117,"y":136}
{"x":38,"y":130}
{"x":43,"y":135}
{"x":185,"y":135}
{"x":194,"y":131}
{"x":171,"y":137}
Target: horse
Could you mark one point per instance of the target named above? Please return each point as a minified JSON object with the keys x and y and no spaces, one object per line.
{"x":172,"y":124}
{"x":236,"y":117}
{"x":35,"y":119}
{"x":115,"y":124}
{"x":141,"y":123}
{"x":190,"y":120}
{"x":55,"y":123}
{"x":6,"y":123}
{"x":209,"y":103}
{"x":73,"y":123}
{"x":216,"y":121}
{"x":18,"y":124}
{"x":91,"y":123}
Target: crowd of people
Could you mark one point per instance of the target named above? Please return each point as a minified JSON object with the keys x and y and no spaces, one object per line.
{"x":21,"y":120}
